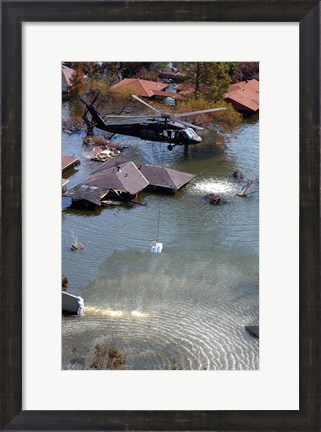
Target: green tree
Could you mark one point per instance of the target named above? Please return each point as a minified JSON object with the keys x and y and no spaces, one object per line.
{"x":210,"y":80}
{"x":244,"y":71}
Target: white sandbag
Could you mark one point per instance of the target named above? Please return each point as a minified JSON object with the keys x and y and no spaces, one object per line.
{"x":156,"y":247}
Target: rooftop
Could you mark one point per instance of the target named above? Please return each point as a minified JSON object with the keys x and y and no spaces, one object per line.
{"x":144,"y":88}
{"x":122,"y":177}
{"x":165,"y":177}
{"x":68,"y":162}
{"x":244,"y":96}
{"x":126,"y":177}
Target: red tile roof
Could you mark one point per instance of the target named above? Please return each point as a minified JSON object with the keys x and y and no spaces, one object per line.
{"x":244,"y":96}
{"x":141,"y":87}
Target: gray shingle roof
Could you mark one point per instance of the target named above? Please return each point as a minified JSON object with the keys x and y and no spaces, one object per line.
{"x":128,"y":177}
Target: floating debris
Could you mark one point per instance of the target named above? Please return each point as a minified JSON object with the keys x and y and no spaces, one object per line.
{"x":96,"y":140}
{"x":104,"y":155}
{"x":64,"y":283}
{"x":215,"y":199}
{"x":72,"y":125}
{"x":74,"y":247}
{"x":76,"y":244}
{"x":237,"y":174}
{"x":244,"y":192}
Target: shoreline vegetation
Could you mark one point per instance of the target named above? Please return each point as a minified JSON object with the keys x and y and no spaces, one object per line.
{"x":106,"y":357}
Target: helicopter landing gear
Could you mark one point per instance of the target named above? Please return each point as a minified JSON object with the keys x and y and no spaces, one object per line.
{"x":170,"y":147}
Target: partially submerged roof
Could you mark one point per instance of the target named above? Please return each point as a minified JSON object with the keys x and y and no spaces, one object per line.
{"x":144,"y":88}
{"x":126,"y":177}
{"x":244,"y":96}
{"x":68,"y":162}
{"x":165,"y":177}
{"x":82,"y":191}
{"x":154,"y":174}
{"x":123,"y":177}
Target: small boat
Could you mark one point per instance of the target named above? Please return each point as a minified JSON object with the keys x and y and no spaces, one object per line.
{"x":72,"y":304}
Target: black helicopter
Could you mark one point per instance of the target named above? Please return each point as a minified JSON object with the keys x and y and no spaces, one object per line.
{"x":163,"y":127}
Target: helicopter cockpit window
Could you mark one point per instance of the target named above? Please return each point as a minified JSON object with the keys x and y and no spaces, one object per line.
{"x":190,"y":133}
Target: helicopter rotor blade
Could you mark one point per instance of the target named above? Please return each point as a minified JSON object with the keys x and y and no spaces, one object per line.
{"x":145,"y":103}
{"x":126,"y":116}
{"x":191,"y":125}
{"x":198,"y":112}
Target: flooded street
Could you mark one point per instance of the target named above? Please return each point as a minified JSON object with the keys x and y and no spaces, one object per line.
{"x":187,"y":307}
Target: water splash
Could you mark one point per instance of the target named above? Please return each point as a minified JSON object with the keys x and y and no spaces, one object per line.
{"x":113,"y":313}
{"x":138,"y":314}
{"x":214,"y":186}
{"x":93,"y":310}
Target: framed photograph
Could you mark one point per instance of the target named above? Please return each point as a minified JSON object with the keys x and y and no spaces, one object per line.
{"x":159,"y":177}
{"x":172,"y":330}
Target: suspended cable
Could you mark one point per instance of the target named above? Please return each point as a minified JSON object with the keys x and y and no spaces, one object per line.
{"x":157,"y":246}
{"x":159,"y":199}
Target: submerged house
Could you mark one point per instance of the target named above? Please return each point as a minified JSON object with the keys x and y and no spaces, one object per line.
{"x":123,"y":180}
{"x":244,"y":96}
{"x":163,"y":178}
{"x":67,"y":162}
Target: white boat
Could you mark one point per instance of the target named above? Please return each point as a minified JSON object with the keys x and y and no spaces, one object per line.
{"x":72,"y":304}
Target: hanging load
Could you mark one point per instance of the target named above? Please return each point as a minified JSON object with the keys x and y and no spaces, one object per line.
{"x":156,"y":247}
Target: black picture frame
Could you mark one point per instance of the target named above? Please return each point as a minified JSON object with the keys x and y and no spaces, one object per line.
{"x":13,"y":14}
